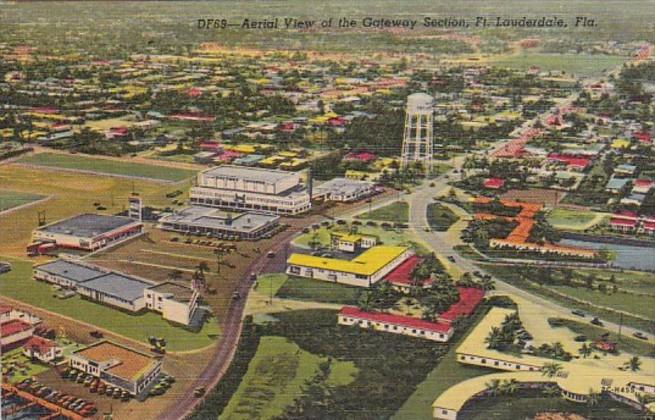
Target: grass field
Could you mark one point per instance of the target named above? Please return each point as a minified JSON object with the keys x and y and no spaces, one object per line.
{"x":573,"y":219}
{"x":71,"y":194}
{"x":440,"y":217}
{"x":275,"y":377}
{"x":270,"y":283}
{"x":573,"y":64}
{"x":108,"y":167}
{"x":317,"y":291}
{"x":625,"y":344}
{"x":397,"y":212}
{"x":11,"y":199}
{"x":322,"y":235}
{"x":18,"y":284}
{"x":634,"y":304}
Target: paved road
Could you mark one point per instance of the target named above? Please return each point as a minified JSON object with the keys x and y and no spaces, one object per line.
{"x":443,"y":245}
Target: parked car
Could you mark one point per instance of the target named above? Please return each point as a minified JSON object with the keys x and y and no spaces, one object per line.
{"x":451,"y":258}
{"x":640,"y":335}
{"x":580,"y":338}
{"x":578,"y":312}
{"x":597,"y":321}
{"x":199,"y":392}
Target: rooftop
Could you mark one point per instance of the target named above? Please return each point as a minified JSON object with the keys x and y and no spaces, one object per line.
{"x":180,"y":292}
{"x":117,"y":285}
{"x":213,"y":218}
{"x":342,"y":185}
{"x":131,"y":364}
{"x":71,"y":271}
{"x":268,"y":176}
{"x":87,"y":225}
{"x":13,"y":327}
{"x":367,"y":263}
{"x":400,"y":320}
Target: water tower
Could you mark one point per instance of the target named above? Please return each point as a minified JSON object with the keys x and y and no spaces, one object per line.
{"x":417,"y":141}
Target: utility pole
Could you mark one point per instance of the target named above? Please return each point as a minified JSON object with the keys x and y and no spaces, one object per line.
{"x":620,"y":324}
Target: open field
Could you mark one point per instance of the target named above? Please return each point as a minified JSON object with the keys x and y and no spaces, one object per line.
{"x":318,"y":291}
{"x":634,"y":304}
{"x":72,"y":194}
{"x":535,"y":195}
{"x":107,"y":167}
{"x":636,"y":281}
{"x":276,"y":376}
{"x":584,"y":65}
{"x":18,"y":284}
{"x":11,"y":199}
{"x":397,"y":212}
{"x":573,"y":219}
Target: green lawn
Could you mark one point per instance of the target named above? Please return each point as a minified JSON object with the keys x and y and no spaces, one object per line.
{"x":317,"y":291}
{"x":448,"y":372}
{"x":276,"y":376}
{"x":11,"y":199}
{"x":635,"y":304}
{"x":396,"y":212}
{"x":526,"y":407}
{"x":570,"y":219}
{"x":270,"y":283}
{"x":18,"y":367}
{"x":385,"y":236}
{"x":104,"y":166}
{"x":577,"y":64}
{"x":637,"y":281}
{"x":18,"y":284}
{"x":625,"y":344}
{"x":440,"y":217}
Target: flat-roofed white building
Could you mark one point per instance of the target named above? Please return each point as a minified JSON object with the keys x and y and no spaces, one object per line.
{"x":176,"y":303}
{"x":343,"y":189}
{"x":244,"y":188}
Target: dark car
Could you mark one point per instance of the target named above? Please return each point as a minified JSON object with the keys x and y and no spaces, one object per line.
{"x":578,"y":312}
{"x":640,"y":335}
{"x":580,"y":338}
{"x":597,"y":321}
{"x":451,"y":258}
{"x":199,"y":392}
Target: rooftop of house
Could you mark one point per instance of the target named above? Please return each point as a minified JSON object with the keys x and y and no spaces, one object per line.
{"x":400,"y":320}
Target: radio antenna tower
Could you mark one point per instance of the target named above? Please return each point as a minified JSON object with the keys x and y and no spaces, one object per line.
{"x":417,"y":141}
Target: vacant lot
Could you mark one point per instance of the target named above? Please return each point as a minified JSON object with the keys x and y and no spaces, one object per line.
{"x":276,"y":376}
{"x":537,"y":195}
{"x":397,"y":212}
{"x":107,"y":167}
{"x":18,"y":284}
{"x":11,"y":199}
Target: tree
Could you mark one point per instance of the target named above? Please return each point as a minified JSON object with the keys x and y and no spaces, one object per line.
{"x":634,"y":364}
{"x":592,"y":400}
{"x":175,"y":275}
{"x":550,"y":369}
{"x":487,"y":284}
{"x":365,"y":301}
{"x":585,"y":350}
{"x":493,"y":387}
{"x":510,"y":386}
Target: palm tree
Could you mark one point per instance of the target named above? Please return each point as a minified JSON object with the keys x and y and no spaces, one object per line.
{"x":365,"y":301}
{"x":551,"y":391}
{"x":585,"y":351}
{"x":494,"y":387}
{"x":487,"y":284}
{"x":509,"y":386}
{"x":642,"y":399}
{"x":634,"y":364}
{"x":203,"y":266}
{"x":551,"y":369}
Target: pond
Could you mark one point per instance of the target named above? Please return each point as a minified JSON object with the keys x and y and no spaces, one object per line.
{"x":626,"y":256}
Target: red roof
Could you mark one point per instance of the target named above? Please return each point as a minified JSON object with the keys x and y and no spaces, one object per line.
{"x":39,"y":344}
{"x":570,"y":160}
{"x":644,"y":183}
{"x":623,"y":222}
{"x":5,"y":308}
{"x":403,"y":273}
{"x":400,"y":320}
{"x":626,"y":214}
{"x":13,"y":327}
{"x":45,"y":110}
{"x":469,"y":299}
{"x":361,"y":156}
{"x":642,"y":137}
{"x":649,"y":225}
{"x":494,"y":183}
